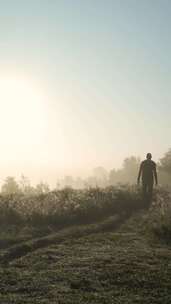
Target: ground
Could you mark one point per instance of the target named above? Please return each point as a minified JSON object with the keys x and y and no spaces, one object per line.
{"x":115,"y":261}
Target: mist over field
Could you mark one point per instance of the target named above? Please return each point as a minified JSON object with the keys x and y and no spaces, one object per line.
{"x":82,"y":85}
{"x":85,"y":152}
{"x":100,"y":177}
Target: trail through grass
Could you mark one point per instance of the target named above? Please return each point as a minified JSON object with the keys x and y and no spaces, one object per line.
{"x":100,"y":263}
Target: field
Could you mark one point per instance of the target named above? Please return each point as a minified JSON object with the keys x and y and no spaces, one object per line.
{"x":89,"y":246}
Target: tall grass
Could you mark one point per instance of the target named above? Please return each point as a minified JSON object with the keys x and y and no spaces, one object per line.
{"x":69,"y":206}
{"x":159,"y":220}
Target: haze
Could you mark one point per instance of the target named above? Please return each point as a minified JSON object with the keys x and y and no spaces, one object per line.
{"x":82,"y":84}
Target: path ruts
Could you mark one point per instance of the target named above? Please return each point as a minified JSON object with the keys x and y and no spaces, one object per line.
{"x":25,"y":248}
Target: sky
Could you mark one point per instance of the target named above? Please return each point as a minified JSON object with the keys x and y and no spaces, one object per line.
{"x":82,"y":84}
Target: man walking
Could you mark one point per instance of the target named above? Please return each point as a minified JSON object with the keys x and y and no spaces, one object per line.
{"x":148,"y":174}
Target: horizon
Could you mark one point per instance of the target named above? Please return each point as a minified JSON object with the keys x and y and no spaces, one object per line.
{"x":82,"y":85}
{"x":54,"y":176}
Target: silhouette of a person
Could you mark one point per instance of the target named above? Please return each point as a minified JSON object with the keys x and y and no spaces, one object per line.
{"x":148,"y":174}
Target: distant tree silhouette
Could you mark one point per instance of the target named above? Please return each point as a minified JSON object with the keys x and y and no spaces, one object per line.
{"x":42,"y":188}
{"x":10,"y":186}
{"x":100,"y":175}
{"x":130,"y":168}
{"x":113,"y":177}
{"x":128,"y":172}
{"x":164,"y":168}
{"x":25,"y":186}
{"x":165,"y":162}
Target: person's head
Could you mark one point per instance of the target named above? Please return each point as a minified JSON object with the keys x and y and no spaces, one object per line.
{"x":149,"y":156}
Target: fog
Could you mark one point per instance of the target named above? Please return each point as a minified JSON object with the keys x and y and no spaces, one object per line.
{"x":80,"y":89}
{"x":99,"y":176}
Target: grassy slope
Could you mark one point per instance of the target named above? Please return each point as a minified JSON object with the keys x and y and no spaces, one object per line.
{"x":100,"y":263}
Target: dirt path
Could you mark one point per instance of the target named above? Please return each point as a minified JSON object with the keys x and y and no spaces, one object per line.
{"x":103,"y":263}
{"x":24,"y":248}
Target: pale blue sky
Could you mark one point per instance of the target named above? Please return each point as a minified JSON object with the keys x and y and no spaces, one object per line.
{"x":105,"y":67}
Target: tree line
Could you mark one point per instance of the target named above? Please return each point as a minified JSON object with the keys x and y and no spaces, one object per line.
{"x":100,"y":178}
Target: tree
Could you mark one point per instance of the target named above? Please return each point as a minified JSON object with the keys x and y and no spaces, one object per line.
{"x":42,"y":188}
{"x":10,"y":186}
{"x":130,"y":168}
{"x":128,"y":173}
{"x":25,"y":186}
{"x":101,"y":176}
{"x":165,"y":162}
{"x":113,"y":177}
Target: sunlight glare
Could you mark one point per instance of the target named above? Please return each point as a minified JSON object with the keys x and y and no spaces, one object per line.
{"x":22,"y":113}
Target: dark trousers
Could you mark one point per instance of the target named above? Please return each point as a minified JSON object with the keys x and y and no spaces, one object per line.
{"x":147,"y":189}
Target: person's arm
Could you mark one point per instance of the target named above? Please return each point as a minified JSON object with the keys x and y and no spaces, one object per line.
{"x":139,"y":174}
{"x":155,"y":175}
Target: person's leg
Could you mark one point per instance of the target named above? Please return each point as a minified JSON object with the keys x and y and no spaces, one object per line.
{"x":144,"y":192}
{"x":150,"y":191}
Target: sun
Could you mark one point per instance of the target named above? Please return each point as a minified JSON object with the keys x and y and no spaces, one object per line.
{"x":22,"y":113}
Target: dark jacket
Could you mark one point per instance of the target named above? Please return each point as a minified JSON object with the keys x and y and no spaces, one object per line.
{"x":148,"y":171}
